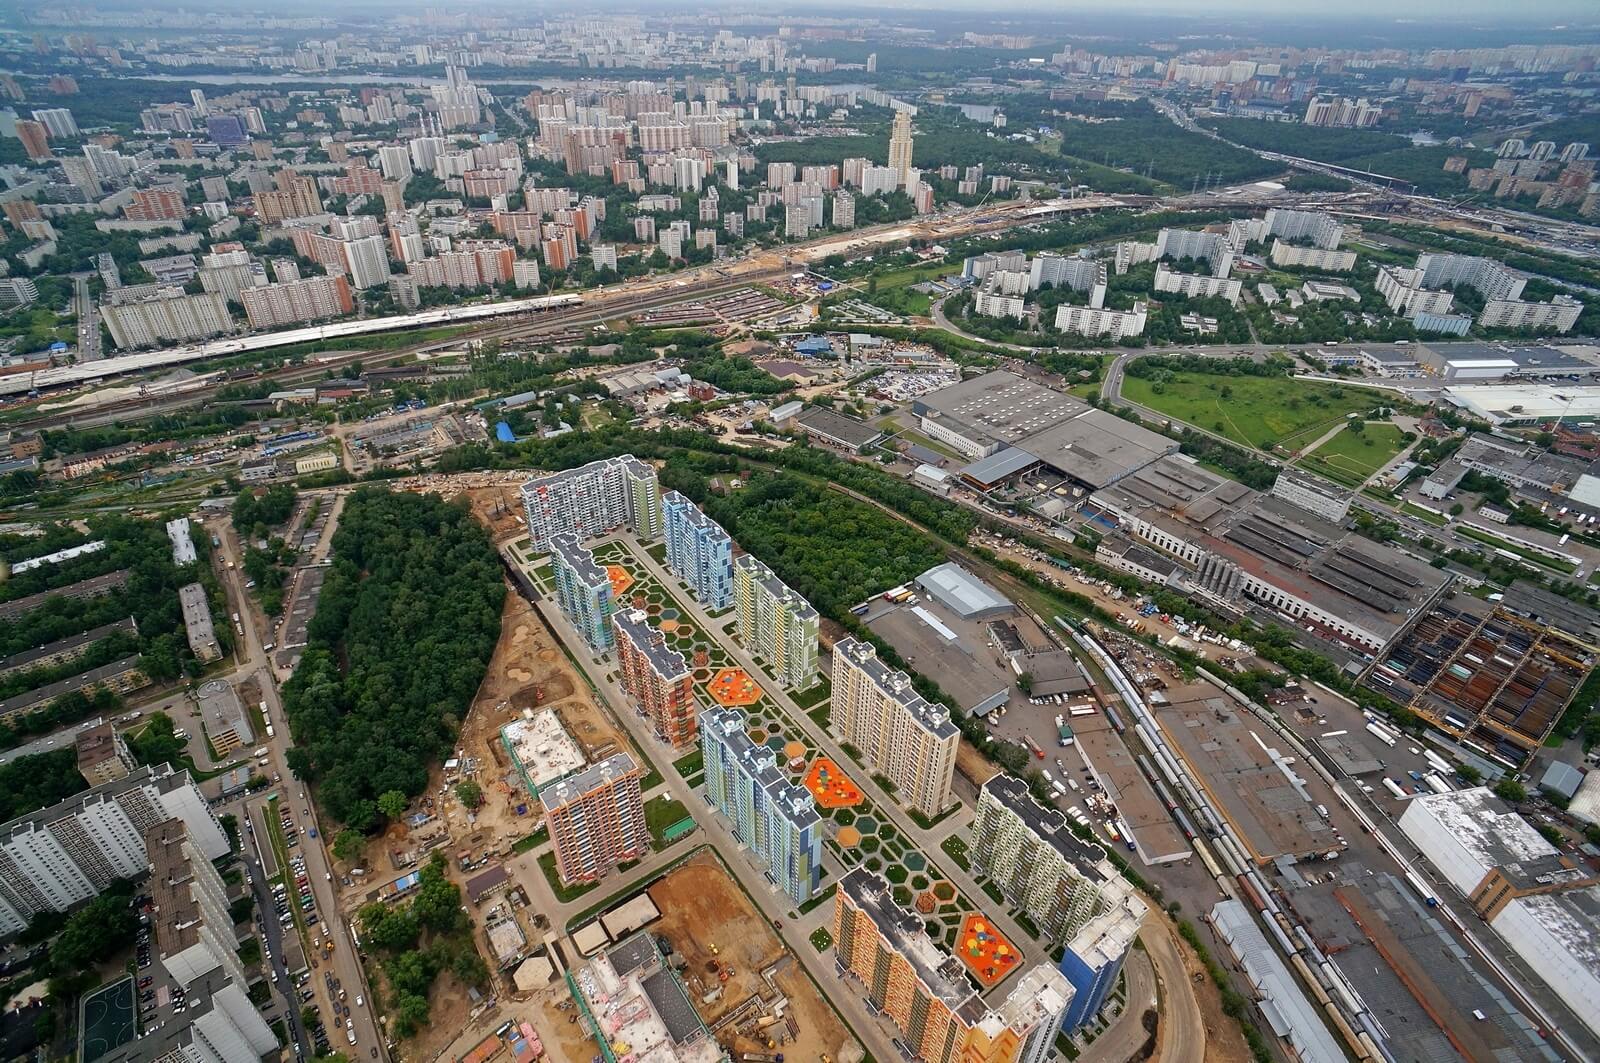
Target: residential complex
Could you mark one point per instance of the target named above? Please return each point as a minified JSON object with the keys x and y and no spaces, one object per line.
{"x":924,"y":992}
{"x":103,"y":756}
{"x":61,"y":856}
{"x":775,"y":818}
{"x":656,"y":677}
{"x":1068,"y":887}
{"x":897,"y":731}
{"x":775,"y":623}
{"x":593,"y":499}
{"x":583,"y":590}
{"x":699,"y":552}
{"x":596,"y":819}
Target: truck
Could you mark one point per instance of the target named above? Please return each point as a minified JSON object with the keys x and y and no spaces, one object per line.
{"x":1065,"y":734}
{"x":1033,"y":746}
{"x":262,"y":753}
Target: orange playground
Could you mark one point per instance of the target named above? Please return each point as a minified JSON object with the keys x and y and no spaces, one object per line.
{"x":831,"y":787}
{"x":733,"y":686}
{"x":985,"y":951}
{"x":621,"y":580}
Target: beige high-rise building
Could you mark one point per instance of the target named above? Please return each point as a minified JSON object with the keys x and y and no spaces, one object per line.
{"x":896,"y":730}
{"x":900,"y":149}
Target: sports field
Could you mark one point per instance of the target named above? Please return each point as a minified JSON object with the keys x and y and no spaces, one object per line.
{"x":1349,"y":457}
{"x":106,"y":1019}
{"x":1261,"y":412}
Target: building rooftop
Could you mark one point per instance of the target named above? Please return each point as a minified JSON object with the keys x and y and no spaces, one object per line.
{"x":569,"y":551}
{"x":963,"y":593}
{"x":1549,"y":608}
{"x":634,"y":625}
{"x":1519,"y":403}
{"x":908,"y":937}
{"x":574,"y":787}
{"x":182,"y":545}
{"x":1007,"y":461}
{"x":895,"y":684}
{"x":1051,"y":827}
{"x":1368,"y":585}
{"x":26,"y":701}
{"x":222,"y":711}
{"x":1570,"y":918}
{"x":20,"y":661}
{"x":1054,"y":672}
{"x":627,"y":462}
{"x":542,"y":748}
{"x":847,"y":431}
{"x":1494,"y":835}
{"x":1000,"y":406}
{"x":177,"y":916}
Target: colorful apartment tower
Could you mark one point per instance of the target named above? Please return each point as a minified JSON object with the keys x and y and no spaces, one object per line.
{"x":593,"y":499}
{"x":924,"y":991}
{"x":596,"y":819}
{"x":775,"y":818}
{"x":898,"y":731}
{"x":656,"y":677}
{"x":699,"y":552}
{"x":583,"y":590}
{"x":775,"y":623}
{"x":1066,"y":884}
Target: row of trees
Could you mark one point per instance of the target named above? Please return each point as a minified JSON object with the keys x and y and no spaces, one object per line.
{"x":408,"y":617}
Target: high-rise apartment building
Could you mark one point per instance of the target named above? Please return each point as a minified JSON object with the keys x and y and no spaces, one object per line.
{"x":297,"y":302}
{"x":367,"y":259}
{"x":168,"y":316}
{"x":775,"y":818}
{"x":900,"y":149}
{"x":1067,"y":885}
{"x":593,"y":499}
{"x":35,"y":140}
{"x":295,"y":196}
{"x":103,"y":757}
{"x":656,"y":677}
{"x":583,"y":590}
{"x":924,"y":991}
{"x":699,"y":552}
{"x":157,"y":204}
{"x":844,"y":210}
{"x":596,"y":819}
{"x":897,"y":731}
{"x":775,"y":623}
{"x":61,"y":856}
{"x":58,"y":122}
{"x":198,"y":951}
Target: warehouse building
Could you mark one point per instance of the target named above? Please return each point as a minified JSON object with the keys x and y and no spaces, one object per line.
{"x":1010,"y":425}
{"x":1541,"y":903}
{"x":1249,"y":552}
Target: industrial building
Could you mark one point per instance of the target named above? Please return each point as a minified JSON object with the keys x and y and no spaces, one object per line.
{"x":899,"y":733}
{"x":583,"y":590}
{"x":1485,"y":674}
{"x":1525,"y":404}
{"x":1010,"y":425}
{"x":924,"y":991}
{"x":1541,"y":903}
{"x":58,"y":857}
{"x":596,"y":819}
{"x":656,"y":677}
{"x":775,"y":623}
{"x":775,"y":818}
{"x":699,"y":552}
{"x":836,"y":430}
{"x":1469,"y":361}
{"x":1249,"y":552}
{"x":1068,"y":887}
{"x":592,"y":499}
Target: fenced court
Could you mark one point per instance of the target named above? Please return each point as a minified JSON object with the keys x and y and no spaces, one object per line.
{"x":106,"y":1019}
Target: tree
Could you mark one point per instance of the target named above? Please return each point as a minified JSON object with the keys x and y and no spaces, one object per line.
{"x":437,"y":904}
{"x":1025,"y":682}
{"x":1469,"y":775}
{"x":347,"y":845}
{"x":310,"y":1017}
{"x":392,"y":803}
{"x":469,"y":793}
{"x":1509,"y":789}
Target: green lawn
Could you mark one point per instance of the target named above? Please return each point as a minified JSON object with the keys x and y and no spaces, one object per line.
{"x":1260,"y":412}
{"x":821,"y":939}
{"x":547,"y":864}
{"x":661,"y":813}
{"x":1349,"y":457}
{"x":1528,"y":553}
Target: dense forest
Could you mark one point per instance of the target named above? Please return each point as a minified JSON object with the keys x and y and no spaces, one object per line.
{"x":38,"y":781}
{"x":407,"y":620}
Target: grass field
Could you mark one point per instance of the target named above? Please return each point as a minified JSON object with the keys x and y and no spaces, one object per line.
{"x":1349,"y":458}
{"x":1261,"y":412}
